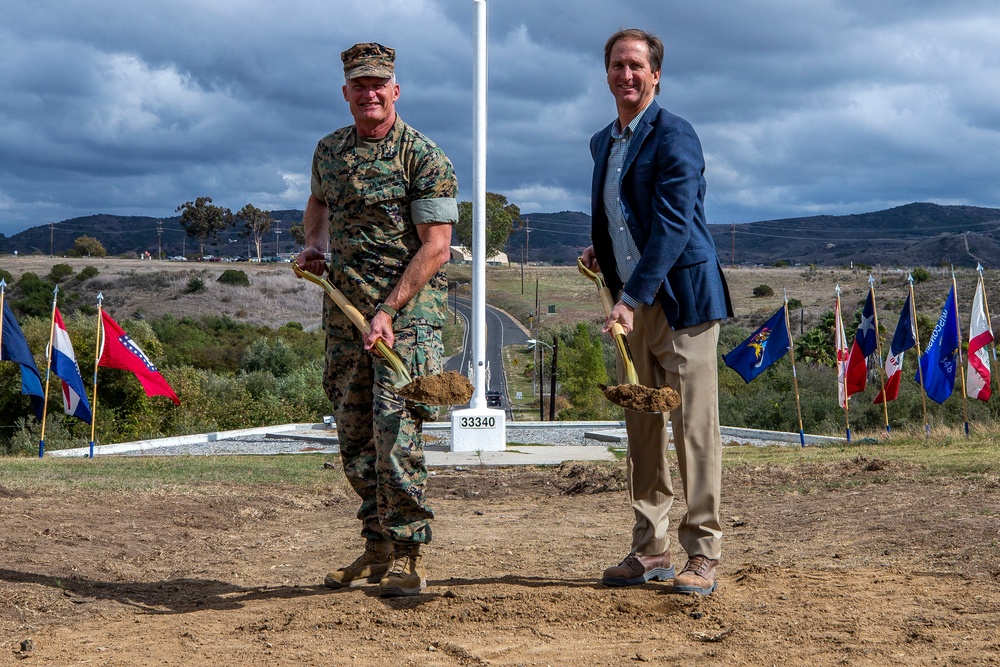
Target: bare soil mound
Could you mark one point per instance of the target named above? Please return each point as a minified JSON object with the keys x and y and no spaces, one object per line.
{"x":831,"y":564}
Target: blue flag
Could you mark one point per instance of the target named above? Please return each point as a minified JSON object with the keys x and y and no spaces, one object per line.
{"x":905,"y":337}
{"x":15,"y":348}
{"x":768,"y":344}
{"x":867,"y":336}
{"x":938,"y":360}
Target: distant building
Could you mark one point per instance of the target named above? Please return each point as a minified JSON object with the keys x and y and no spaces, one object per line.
{"x":460,"y":256}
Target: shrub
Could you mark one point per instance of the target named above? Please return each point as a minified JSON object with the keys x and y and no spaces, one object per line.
{"x":234,"y":277}
{"x":87,"y":273}
{"x":275,"y":358}
{"x":794,"y":304}
{"x":195,"y":285}
{"x":920,"y":274}
{"x":60,"y":272}
{"x":34,"y":296}
{"x":762,"y":291}
{"x":7,"y":277}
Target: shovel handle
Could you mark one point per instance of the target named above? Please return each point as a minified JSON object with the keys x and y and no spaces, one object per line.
{"x":353,"y":314}
{"x":394,"y":361}
{"x":617,"y":331}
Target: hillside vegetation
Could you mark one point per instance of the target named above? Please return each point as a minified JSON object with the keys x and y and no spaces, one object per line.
{"x":241,"y":356}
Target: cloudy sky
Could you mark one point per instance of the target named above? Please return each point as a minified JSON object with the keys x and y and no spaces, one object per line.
{"x":803,"y":107}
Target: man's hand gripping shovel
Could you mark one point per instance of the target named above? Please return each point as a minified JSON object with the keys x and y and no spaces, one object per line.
{"x":391,"y":359}
{"x":445,"y":389}
{"x":631,"y":394}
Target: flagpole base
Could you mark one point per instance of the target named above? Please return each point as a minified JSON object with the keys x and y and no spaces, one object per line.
{"x":41,"y":448}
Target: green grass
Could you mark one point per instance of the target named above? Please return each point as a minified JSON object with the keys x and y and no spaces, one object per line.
{"x":947,"y":452}
{"x":157,"y":473}
{"x":976,"y":459}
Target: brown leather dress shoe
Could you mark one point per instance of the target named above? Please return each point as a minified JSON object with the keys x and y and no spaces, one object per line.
{"x":636,"y":570}
{"x":698,"y":576}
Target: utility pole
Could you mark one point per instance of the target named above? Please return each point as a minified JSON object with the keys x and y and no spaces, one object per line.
{"x":552,"y":374}
{"x":52,"y":235}
{"x":522,"y":271}
{"x":159,"y":239}
{"x":277,"y":231}
{"x":734,"y":246}
{"x":527,"y":233}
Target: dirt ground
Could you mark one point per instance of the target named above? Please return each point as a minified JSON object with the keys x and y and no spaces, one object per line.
{"x":855,"y":563}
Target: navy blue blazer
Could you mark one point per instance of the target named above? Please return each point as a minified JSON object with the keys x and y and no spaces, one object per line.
{"x":663,"y":198}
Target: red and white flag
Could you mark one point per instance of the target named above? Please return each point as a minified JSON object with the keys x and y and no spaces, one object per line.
{"x":840,"y":342}
{"x":120,"y":351}
{"x":977,"y":378}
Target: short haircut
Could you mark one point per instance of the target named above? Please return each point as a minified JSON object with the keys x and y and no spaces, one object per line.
{"x":653,"y":44}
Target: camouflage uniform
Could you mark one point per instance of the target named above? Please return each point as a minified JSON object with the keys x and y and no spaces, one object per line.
{"x":376,"y":193}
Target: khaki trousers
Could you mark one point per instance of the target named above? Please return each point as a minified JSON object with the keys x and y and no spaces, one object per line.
{"x":686,"y":360}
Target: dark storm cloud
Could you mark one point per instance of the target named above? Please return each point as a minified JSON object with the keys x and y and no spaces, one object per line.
{"x":836,"y":106}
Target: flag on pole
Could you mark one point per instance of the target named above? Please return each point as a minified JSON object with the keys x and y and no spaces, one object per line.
{"x":15,"y":348}
{"x":904,"y":338}
{"x":64,"y":365}
{"x":120,"y":351}
{"x":840,"y":342}
{"x":938,"y":360}
{"x":764,"y":347}
{"x":865,"y":343}
{"x":977,"y":378}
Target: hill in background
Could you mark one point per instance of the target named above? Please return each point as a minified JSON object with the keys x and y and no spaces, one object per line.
{"x":912,"y":235}
{"x":919,"y":234}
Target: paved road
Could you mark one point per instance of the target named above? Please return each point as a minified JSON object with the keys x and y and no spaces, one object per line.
{"x":501,"y":331}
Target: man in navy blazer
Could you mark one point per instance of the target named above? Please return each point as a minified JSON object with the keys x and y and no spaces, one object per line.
{"x":651,"y":242}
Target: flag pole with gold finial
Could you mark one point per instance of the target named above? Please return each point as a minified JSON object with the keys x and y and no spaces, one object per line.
{"x":840,"y":341}
{"x":795,"y":375}
{"x":48,"y":373}
{"x":920,"y":367}
{"x":961,"y":362}
{"x":97,"y":358}
{"x":3,"y":289}
{"x":878,"y":346}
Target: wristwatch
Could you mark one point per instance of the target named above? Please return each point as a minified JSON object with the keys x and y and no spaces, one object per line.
{"x":387,"y":309}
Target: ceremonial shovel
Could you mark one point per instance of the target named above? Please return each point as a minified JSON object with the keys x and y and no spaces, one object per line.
{"x":391,"y":358}
{"x":631,"y":394}
{"x":449,"y":388}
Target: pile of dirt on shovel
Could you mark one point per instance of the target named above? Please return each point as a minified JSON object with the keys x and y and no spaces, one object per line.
{"x":448,"y":388}
{"x":641,"y":398}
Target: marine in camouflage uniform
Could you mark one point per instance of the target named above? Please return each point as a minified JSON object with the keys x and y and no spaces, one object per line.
{"x":380,"y":195}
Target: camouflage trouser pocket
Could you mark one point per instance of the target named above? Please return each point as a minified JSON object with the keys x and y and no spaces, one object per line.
{"x":425,"y":359}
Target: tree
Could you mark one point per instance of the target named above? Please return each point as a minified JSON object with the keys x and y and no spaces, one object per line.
{"x":256,"y":223}
{"x":298,"y":233}
{"x":88,"y":246}
{"x":581,"y":368}
{"x":202,"y":220}
{"x":500,"y":217}
{"x":816,"y":345}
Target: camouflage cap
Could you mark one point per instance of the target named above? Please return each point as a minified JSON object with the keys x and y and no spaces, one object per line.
{"x":368,"y":59}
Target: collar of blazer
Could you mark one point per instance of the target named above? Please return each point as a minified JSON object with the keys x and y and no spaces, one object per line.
{"x":642,"y":131}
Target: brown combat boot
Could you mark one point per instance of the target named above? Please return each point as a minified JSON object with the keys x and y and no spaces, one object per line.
{"x":406,"y":575}
{"x":698,"y":576}
{"x":369,"y":567}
